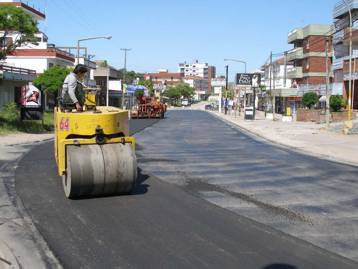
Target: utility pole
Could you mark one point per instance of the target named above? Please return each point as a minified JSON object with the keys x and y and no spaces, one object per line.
{"x":124,"y":74}
{"x":226,"y":80}
{"x":349,"y":124}
{"x":327,"y":86}
{"x":272,"y":88}
{"x":285,"y":70}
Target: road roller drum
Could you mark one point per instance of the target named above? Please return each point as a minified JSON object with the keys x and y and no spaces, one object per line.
{"x":94,"y":170}
{"x":94,"y":153}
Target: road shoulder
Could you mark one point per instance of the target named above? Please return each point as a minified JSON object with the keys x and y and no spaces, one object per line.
{"x":21,"y":245}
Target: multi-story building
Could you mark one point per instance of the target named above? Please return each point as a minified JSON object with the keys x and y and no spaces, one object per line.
{"x":164,"y":79}
{"x":309,"y":58}
{"x":341,"y":42}
{"x":275,"y":77}
{"x":202,"y":70}
{"x":39,"y":56}
{"x":200,"y":85}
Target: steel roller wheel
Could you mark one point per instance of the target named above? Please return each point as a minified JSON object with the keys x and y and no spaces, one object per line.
{"x":95,"y":170}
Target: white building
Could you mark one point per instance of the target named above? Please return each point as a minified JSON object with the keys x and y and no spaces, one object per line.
{"x":201,"y":72}
{"x":278,"y":78}
{"x":39,"y":56}
{"x":194,"y":70}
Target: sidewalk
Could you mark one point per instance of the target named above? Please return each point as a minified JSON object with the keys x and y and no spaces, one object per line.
{"x":21,"y":246}
{"x":307,"y":137}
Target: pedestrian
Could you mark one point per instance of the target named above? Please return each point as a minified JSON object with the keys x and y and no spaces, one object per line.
{"x":231,"y":105}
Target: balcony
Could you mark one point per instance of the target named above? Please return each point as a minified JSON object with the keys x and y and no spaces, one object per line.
{"x":295,"y":72}
{"x":338,"y":37}
{"x":15,"y":73}
{"x":309,"y":30}
{"x":341,"y":8}
{"x":347,"y":36}
{"x":296,"y":34}
{"x":295,"y":54}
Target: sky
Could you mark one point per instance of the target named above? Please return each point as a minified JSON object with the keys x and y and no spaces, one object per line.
{"x":162,"y":33}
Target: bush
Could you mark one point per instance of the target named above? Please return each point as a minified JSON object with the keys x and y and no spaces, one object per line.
{"x":10,"y":112}
{"x":336,"y":102}
{"x":310,"y":99}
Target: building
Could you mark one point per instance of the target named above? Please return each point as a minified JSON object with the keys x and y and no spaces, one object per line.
{"x":39,"y":56}
{"x":102,"y":75}
{"x":279,"y":83}
{"x":164,"y":79}
{"x":202,"y":70}
{"x":341,"y":38}
{"x":309,"y":58}
{"x":200,"y":85}
{"x":11,"y":81}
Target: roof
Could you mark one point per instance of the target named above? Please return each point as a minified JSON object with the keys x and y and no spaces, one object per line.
{"x":27,"y":8}
{"x":50,"y":52}
{"x":164,"y":75}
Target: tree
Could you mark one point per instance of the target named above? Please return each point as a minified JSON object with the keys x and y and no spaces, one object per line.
{"x":130,"y":76}
{"x":310,"y":99}
{"x":178,"y":91}
{"x":336,"y":102}
{"x":148,"y":84}
{"x":173,"y":93}
{"x":15,"y":20}
{"x":185,"y":90}
{"x":52,"y":79}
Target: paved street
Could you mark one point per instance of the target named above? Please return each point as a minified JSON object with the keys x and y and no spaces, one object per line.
{"x":163,"y":225}
{"x":313,"y":199}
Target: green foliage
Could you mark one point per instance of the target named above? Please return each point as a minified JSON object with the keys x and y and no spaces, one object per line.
{"x":52,"y":79}
{"x":10,"y":112}
{"x":310,"y":99}
{"x":103,"y":64}
{"x":229,"y":94}
{"x":13,"y":19}
{"x":10,"y":121}
{"x":139,"y":93}
{"x":148,"y":84}
{"x":131,"y":76}
{"x":178,"y":91}
{"x":336,"y":102}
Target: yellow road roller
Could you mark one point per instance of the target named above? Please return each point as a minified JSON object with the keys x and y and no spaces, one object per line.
{"x":94,"y":153}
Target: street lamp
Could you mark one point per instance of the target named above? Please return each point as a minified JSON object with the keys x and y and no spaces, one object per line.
{"x":88,"y":38}
{"x":349,"y":123}
{"x":245,"y":64}
{"x":238,"y":61}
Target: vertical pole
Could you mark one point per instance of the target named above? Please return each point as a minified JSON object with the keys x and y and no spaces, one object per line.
{"x":78,"y":51}
{"x":227,"y":80}
{"x":349,"y":123}
{"x":327,"y":86}
{"x":285,"y":71}
{"x":107,"y":86}
{"x":124,"y":76}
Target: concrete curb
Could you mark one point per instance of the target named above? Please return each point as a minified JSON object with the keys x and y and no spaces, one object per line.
{"x":282,"y":145}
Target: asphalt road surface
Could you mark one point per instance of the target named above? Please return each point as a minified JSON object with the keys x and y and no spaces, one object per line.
{"x":160,"y":225}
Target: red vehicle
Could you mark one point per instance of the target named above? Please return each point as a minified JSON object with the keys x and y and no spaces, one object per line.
{"x":149,"y":107}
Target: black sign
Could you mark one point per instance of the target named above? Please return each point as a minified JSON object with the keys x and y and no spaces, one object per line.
{"x":244,"y":79}
{"x":248,"y":79}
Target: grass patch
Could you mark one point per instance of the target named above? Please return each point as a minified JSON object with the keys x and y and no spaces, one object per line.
{"x":10,"y":122}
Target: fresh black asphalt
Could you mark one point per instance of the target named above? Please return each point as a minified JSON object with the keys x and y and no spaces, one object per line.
{"x":159,"y":226}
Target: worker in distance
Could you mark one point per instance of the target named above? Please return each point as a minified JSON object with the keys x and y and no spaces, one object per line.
{"x":72,"y":90}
